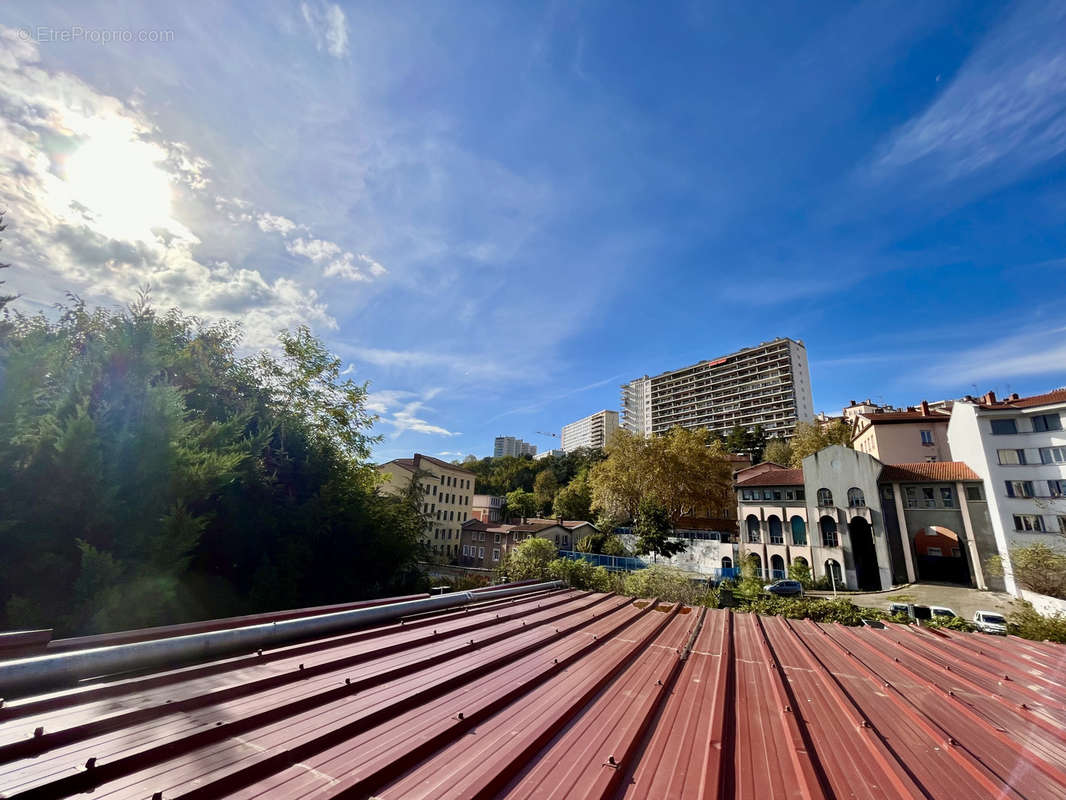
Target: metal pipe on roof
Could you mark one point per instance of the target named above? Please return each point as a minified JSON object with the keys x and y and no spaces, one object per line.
{"x":31,"y":675}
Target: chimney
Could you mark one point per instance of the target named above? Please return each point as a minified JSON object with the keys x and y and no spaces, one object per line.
{"x":990,"y":398}
{"x":1014,"y":396}
{"x":925,"y":408}
{"x":559,"y":520}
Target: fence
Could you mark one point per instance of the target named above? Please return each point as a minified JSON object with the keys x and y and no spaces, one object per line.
{"x":628,"y":564}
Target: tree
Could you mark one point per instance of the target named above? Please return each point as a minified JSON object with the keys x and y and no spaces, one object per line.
{"x":530,"y":560}
{"x":652,"y":527}
{"x":545,"y":486}
{"x":521,"y":503}
{"x":778,"y":451}
{"x":684,"y":471}
{"x":574,"y":500}
{"x":839,"y":432}
{"x":614,"y":546}
{"x":737,"y":440}
{"x":756,"y":444}
{"x":799,"y":571}
{"x":1036,"y":567}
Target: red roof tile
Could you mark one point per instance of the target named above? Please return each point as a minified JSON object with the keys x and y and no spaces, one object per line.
{"x":934,"y":415}
{"x":567,"y":695}
{"x":929,"y":471}
{"x":777,"y":477}
{"x":412,"y":463}
{"x":1046,"y":399}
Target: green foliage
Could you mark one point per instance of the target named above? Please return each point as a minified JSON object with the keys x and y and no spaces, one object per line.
{"x":798,"y":571}
{"x":661,"y":581}
{"x":840,"y":610}
{"x":750,"y":584}
{"x":1037,"y":567}
{"x":545,"y":487}
{"x":779,"y":451}
{"x":951,"y":623}
{"x":154,"y":476}
{"x":652,"y":527}
{"x":810,"y":437}
{"x":580,"y":574}
{"x":1028,"y":624}
{"x":614,"y":546}
{"x":574,"y":500}
{"x":530,"y":559}
{"x":499,"y":476}
{"x":521,"y":503}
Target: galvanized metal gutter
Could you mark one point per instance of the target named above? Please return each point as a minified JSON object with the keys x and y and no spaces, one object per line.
{"x":32,"y":675}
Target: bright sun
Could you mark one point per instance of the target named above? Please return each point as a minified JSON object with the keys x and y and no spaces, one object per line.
{"x":118,"y":179}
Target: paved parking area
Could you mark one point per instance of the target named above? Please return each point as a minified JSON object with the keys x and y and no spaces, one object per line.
{"x":960,"y":599}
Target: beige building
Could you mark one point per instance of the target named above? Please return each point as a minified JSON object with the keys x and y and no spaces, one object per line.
{"x":903,"y":437}
{"x":486,"y":545}
{"x":448,"y":493}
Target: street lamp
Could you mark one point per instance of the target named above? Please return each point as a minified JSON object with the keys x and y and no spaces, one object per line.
{"x":832,"y":574}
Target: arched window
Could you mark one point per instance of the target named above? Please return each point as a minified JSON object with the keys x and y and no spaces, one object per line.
{"x":856,"y":499}
{"x":727,"y":562}
{"x":800,"y":561}
{"x":753,"y":529}
{"x":756,"y":562}
{"x":799,"y":530}
{"x":776,"y":534}
{"x":825,"y":498}
{"x":777,"y":567}
{"x":832,"y":568}
{"x":829,"y":532}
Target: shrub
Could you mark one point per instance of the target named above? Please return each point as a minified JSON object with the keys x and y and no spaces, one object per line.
{"x":1037,"y":567}
{"x":580,"y":574}
{"x":840,"y":610}
{"x":798,"y":571}
{"x":662,"y":581}
{"x":530,"y":560}
{"x":951,"y":623}
{"x":1028,"y":624}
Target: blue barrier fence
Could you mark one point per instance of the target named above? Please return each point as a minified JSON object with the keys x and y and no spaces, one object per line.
{"x":628,"y":564}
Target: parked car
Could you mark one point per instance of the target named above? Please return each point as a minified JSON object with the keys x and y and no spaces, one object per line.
{"x":898,"y":608}
{"x":990,"y":622}
{"x":942,"y":612}
{"x":785,"y":588}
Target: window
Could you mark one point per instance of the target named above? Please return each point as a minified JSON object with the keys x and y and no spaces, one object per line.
{"x":1053,"y":455}
{"x":789,"y":494}
{"x":1010,"y":458}
{"x":777,"y":494}
{"x":1047,"y":422}
{"x":974,"y":493}
{"x":495,"y":555}
{"x":1019,"y":488}
{"x":886,"y":492}
{"x":927,"y":438}
{"x":496,"y":539}
{"x":947,"y":497}
{"x":777,"y":536}
{"x":466,"y":550}
{"x":856,"y":499}
{"x":825,"y":498}
{"x":1028,"y":522}
{"x":800,"y":494}
{"x":481,"y":552}
{"x":745,"y":494}
{"x":1001,"y":426}
{"x":829,"y":532}
{"x":799,"y":531}
{"x":767,"y":494}
{"x":1056,"y":488}
{"x":933,"y":551}
{"x":753,"y":529}
{"x":1062,"y":523}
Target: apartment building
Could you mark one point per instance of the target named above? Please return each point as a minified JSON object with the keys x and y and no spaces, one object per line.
{"x":870,"y":525}
{"x":901,"y":437}
{"x":485,"y":545}
{"x":487,"y":508}
{"x":1018,"y":447}
{"x":510,"y":446}
{"x":767,"y":385}
{"x":447,"y":492}
{"x":556,"y":451}
{"x":594,"y":430}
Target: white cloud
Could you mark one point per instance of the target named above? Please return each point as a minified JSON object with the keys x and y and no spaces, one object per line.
{"x":400,"y":410}
{"x":1034,"y":352}
{"x":449,"y":363}
{"x":272,"y":223}
{"x":1006,"y":107}
{"x":328,"y":26}
{"x":338,"y":262}
{"x":82,"y":233}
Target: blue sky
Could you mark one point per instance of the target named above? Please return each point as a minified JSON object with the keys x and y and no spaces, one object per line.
{"x":497,"y":213}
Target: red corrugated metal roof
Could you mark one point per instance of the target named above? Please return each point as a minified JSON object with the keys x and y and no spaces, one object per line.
{"x":567,"y":695}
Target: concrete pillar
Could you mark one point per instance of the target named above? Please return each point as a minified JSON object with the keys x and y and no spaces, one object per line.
{"x":908,"y":558}
{"x":971,"y":543}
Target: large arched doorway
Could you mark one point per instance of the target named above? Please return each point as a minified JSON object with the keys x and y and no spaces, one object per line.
{"x":756,"y":563}
{"x":777,"y":567}
{"x":940,"y":556}
{"x":863,"y":554}
{"x":799,"y":531}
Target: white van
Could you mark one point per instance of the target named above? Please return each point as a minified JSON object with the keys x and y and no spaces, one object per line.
{"x":990,"y":622}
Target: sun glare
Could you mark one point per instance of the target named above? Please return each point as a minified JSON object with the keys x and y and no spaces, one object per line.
{"x":118,"y":179}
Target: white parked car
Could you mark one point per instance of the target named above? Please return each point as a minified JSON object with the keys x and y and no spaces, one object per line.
{"x":990,"y":622}
{"x":942,"y":612}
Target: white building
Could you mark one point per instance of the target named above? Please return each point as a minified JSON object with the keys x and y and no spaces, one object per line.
{"x":594,"y":430}
{"x":767,"y":385}
{"x":1018,"y":447}
{"x":558,"y":451}
{"x":510,"y":446}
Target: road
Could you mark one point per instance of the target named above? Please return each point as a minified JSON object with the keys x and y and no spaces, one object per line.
{"x":960,"y":599}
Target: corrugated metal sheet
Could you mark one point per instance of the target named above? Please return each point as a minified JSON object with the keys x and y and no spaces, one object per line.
{"x":566,"y":695}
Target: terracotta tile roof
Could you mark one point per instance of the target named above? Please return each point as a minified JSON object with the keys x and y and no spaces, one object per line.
{"x":569,"y":524}
{"x":929,"y":471}
{"x":1046,"y":399}
{"x":411,"y":464}
{"x":566,"y":694}
{"x":777,"y":477}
